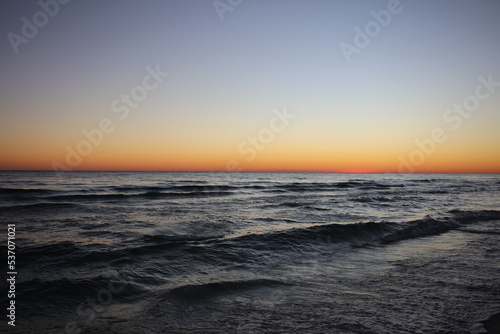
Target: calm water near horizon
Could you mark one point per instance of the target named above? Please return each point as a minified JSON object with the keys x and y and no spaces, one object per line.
{"x":211,"y":252}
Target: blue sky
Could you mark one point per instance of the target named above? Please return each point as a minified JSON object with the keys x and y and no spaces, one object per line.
{"x":225,"y":77}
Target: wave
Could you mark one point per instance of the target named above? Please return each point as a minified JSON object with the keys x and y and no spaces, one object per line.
{"x":479,"y":231}
{"x":375,"y":199}
{"x":71,"y":254}
{"x":183,"y":188}
{"x":467,"y":216}
{"x":215,"y":246}
{"x":117,"y":193}
{"x":177,"y":238}
{"x":64,"y":248}
{"x":369,"y":233}
{"x":42,"y":206}
{"x":434,"y":180}
{"x":355,"y":234}
{"x":315,"y":186}
{"x":136,"y":188}
{"x":204,"y":193}
{"x":206,"y":290}
{"x":294,"y":205}
{"x":436,"y":192}
{"x":268,"y":219}
{"x":284,"y":204}
{"x":24,"y":191}
{"x":148,"y":194}
{"x":417,"y":229}
{"x":125,"y":192}
{"x":73,"y":291}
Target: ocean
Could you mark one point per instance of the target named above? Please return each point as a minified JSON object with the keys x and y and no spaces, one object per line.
{"x":215,"y":252}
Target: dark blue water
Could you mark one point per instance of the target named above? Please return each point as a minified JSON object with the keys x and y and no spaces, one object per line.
{"x":179,"y":252}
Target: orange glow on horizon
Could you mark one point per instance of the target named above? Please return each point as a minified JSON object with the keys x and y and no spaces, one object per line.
{"x":216,"y":166}
{"x":124,"y":154}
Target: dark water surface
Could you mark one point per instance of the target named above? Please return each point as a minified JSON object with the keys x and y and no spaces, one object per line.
{"x":180,"y":252}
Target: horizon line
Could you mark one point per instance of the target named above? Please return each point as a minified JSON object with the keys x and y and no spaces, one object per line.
{"x":236,"y":171}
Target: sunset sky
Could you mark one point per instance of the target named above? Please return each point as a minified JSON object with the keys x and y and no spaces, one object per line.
{"x":252,"y":85}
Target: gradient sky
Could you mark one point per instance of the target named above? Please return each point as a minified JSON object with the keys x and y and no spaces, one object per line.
{"x":227,"y":76}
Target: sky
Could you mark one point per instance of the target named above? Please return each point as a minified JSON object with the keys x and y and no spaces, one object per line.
{"x":250,"y":85}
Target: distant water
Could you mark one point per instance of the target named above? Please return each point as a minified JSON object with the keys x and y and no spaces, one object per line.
{"x":179,"y":252}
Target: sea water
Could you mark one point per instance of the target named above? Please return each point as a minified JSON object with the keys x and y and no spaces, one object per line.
{"x":214,"y":252}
